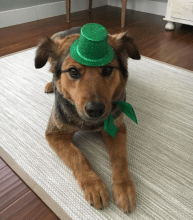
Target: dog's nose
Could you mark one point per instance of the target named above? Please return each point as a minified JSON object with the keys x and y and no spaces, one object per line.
{"x":95,"y":109}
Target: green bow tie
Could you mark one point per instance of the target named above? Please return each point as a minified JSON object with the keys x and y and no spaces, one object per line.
{"x":109,"y":125}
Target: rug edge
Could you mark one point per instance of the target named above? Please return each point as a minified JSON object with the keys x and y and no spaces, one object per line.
{"x":20,"y":51}
{"x":34,"y":186}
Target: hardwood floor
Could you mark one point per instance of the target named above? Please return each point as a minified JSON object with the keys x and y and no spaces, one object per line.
{"x":17,"y":201}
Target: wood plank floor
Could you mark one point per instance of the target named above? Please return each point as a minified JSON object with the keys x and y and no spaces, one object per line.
{"x":18,"y":201}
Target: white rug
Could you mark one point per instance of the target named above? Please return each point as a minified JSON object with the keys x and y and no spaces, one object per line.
{"x":160,"y":147}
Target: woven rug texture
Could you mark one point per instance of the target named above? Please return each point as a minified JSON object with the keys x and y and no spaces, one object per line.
{"x":160,"y":147}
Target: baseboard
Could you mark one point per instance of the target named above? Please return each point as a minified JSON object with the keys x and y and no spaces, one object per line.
{"x":24,"y":15}
{"x":148,"y":6}
{"x":18,"y":16}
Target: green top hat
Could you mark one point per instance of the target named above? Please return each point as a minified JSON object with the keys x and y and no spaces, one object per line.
{"x":92,"y":49}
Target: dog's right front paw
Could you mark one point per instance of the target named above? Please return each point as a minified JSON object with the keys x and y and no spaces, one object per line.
{"x":95,"y":191}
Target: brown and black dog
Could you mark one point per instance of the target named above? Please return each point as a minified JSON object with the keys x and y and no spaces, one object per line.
{"x":84,"y":97}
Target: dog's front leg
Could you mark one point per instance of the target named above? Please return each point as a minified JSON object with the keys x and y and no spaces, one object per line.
{"x":92,"y":186}
{"x":124,"y":191}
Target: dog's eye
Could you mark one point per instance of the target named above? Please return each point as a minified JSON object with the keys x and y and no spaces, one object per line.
{"x":74,"y":73}
{"x":107,"y":71}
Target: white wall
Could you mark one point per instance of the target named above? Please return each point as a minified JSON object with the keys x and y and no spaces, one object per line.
{"x":41,"y":11}
{"x":6,"y":5}
{"x":157,"y":7}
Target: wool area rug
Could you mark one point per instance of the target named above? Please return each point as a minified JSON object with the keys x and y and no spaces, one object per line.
{"x":160,"y":147}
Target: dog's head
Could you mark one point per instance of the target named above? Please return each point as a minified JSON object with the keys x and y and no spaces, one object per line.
{"x":91,"y":89}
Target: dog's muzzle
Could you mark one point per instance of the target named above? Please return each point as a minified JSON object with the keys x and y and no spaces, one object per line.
{"x":95,"y":109}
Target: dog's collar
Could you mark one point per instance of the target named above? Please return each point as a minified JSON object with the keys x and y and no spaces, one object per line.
{"x":109,"y":125}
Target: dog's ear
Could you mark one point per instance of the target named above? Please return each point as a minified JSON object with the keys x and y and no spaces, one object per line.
{"x":46,"y":48}
{"x":124,"y":43}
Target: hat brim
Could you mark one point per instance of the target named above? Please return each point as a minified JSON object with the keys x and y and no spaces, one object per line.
{"x":88,"y":62}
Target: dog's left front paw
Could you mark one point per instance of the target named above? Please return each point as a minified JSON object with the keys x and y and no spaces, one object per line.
{"x":125,"y":195}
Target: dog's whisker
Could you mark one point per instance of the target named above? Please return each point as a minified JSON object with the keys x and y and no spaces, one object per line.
{"x":82,"y":124}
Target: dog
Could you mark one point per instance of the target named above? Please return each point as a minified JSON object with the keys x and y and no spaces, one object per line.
{"x":84,"y":98}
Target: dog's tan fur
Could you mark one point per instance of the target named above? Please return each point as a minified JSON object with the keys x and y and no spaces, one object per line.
{"x":92,"y":86}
